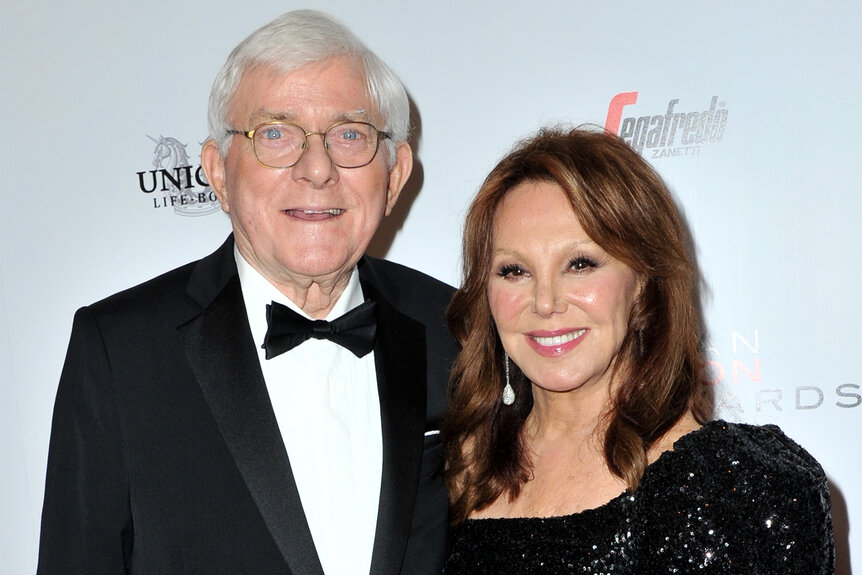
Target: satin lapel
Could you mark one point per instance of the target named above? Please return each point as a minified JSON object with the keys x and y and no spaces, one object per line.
{"x":399,"y":356}
{"x":221,"y":351}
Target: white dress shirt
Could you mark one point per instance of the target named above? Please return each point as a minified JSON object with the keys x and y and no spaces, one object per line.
{"x":328,"y":411}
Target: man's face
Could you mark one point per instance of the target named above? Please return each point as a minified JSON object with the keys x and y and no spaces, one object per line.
{"x":313,"y":221}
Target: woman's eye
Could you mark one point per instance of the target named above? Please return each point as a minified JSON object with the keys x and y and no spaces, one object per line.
{"x":511,"y":271}
{"x":582,"y":263}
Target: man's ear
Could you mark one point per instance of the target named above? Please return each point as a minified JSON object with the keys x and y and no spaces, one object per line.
{"x":399,"y":174}
{"x":213,"y":165}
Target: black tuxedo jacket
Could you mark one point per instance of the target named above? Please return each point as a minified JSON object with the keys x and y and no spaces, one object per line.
{"x":165,"y":454}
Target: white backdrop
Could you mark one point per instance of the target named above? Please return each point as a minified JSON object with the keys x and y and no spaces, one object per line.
{"x":767,"y":179}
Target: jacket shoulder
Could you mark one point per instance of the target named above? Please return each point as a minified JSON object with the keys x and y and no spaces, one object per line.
{"x":412,"y":292}
{"x":191,"y":285}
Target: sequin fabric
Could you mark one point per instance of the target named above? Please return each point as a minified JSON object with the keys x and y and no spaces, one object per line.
{"x":729,"y":499}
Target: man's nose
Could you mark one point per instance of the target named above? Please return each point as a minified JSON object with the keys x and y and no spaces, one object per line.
{"x":314,"y":165}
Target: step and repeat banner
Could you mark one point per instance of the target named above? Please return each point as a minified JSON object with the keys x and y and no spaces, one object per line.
{"x":749,"y":110}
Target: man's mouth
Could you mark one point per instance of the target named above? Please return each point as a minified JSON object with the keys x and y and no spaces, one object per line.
{"x":314,"y":215}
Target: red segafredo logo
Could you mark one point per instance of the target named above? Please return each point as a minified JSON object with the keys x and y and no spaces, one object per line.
{"x":676,"y":132}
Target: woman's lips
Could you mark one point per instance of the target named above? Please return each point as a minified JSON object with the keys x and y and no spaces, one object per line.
{"x":554,"y":343}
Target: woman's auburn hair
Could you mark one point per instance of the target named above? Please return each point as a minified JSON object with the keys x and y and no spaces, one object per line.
{"x":623,"y":205}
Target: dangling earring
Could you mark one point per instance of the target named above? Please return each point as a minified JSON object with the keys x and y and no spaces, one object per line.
{"x":508,"y":392}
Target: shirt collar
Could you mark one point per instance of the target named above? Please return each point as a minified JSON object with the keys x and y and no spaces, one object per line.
{"x":257,"y":291}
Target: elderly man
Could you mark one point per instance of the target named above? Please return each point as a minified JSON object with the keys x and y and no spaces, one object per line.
{"x":273,"y":407}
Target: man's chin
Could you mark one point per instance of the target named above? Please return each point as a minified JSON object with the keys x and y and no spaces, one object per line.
{"x":320,"y":264}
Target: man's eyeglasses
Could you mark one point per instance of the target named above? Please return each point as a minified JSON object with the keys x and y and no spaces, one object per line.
{"x":281,"y":144}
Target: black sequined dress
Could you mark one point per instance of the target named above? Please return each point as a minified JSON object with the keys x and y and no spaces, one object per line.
{"x":729,"y":499}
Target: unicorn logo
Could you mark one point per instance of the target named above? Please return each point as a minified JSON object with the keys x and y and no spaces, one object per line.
{"x":169,"y":153}
{"x":184,"y":186}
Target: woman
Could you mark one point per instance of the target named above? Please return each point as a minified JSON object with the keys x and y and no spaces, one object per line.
{"x":579,"y":437}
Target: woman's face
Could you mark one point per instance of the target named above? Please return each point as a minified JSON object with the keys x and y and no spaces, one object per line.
{"x":560,"y":302}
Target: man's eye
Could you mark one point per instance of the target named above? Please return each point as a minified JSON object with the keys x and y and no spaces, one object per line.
{"x":349,"y":135}
{"x":272,"y":133}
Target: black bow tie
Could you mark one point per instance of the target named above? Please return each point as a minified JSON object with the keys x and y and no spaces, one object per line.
{"x":355,"y":330}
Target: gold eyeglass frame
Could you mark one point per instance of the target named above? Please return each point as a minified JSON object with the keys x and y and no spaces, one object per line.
{"x":381,"y":135}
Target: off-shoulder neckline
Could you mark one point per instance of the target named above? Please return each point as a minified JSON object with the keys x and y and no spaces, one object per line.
{"x":680,"y":444}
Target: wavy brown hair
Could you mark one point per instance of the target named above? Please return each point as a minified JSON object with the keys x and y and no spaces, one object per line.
{"x":624,"y":206}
